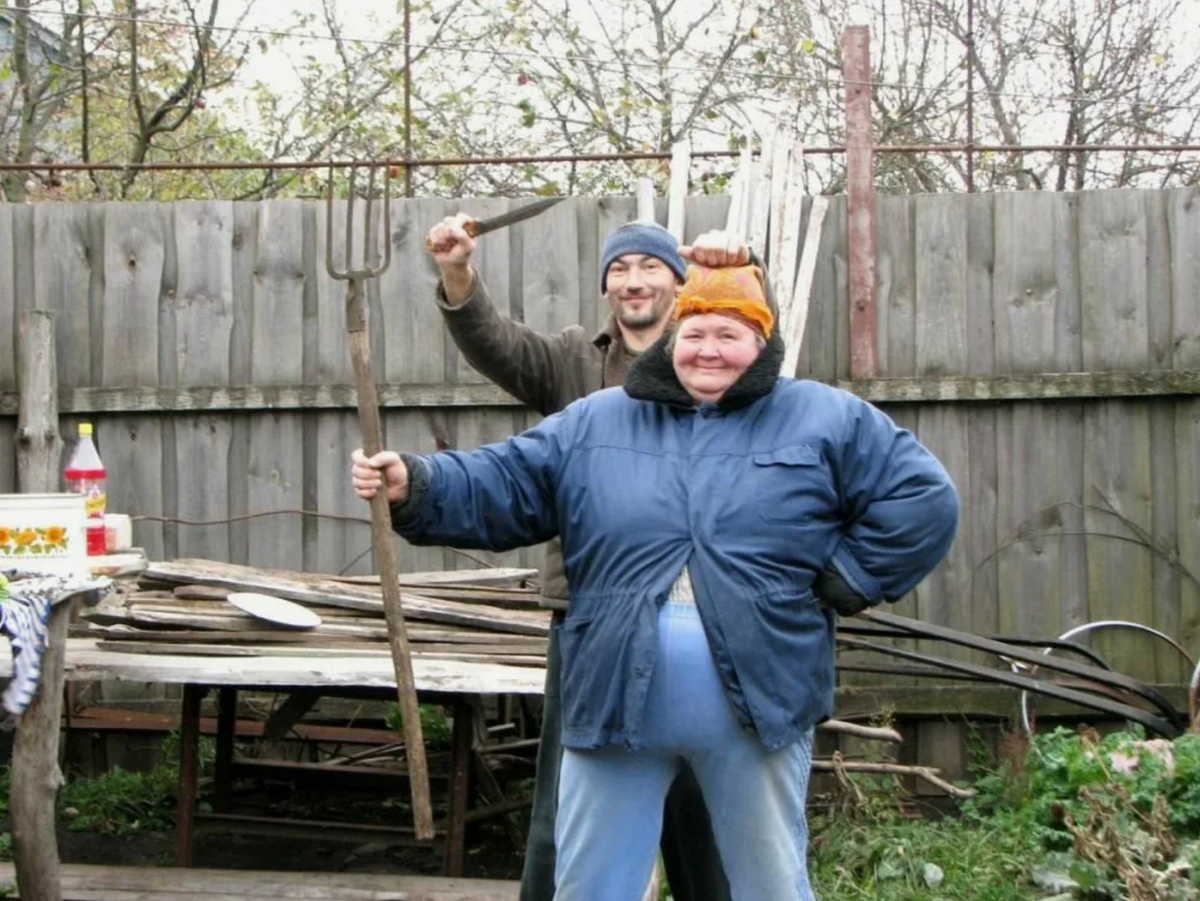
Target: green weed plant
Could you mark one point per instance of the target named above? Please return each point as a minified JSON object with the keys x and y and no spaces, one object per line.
{"x":122,"y":802}
{"x":1113,"y":817}
{"x":1073,"y":816}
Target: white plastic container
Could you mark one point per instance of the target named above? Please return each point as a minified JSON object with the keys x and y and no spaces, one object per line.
{"x":118,"y":532}
{"x":43,"y":532}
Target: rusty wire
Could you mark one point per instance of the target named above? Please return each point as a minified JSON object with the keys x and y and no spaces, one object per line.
{"x":436,"y":162}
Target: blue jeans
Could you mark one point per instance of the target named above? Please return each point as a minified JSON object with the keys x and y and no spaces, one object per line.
{"x":610,"y":803}
{"x":689,"y":852}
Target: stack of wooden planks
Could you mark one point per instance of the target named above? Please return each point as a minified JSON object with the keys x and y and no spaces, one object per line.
{"x":181,"y":607}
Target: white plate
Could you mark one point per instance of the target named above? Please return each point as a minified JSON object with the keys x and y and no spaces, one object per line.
{"x":273,"y":609}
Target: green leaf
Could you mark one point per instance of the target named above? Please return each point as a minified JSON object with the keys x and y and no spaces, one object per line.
{"x":808,"y":45}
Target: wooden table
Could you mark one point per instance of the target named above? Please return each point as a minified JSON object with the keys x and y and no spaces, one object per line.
{"x":453,"y":681}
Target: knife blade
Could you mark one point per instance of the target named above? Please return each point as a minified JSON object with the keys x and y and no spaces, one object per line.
{"x":477,"y":227}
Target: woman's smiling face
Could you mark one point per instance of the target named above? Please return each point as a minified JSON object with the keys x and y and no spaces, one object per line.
{"x":710,"y":353}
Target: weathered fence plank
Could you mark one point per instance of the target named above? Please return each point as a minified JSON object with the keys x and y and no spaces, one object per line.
{"x":550,"y":283}
{"x":1187,"y":481}
{"x":134,"y":253}
{"x":61,"y":276}
{"x":1029,"y":512}
{"x":338,"y":545}
{"x":244,"y":276}
{"x":1118,"y":520}
{"x":411,"y":329}
{"x":273,"y":479}
{"x":1113,"y":250}
{"x":1166,"y":578}
{"x":896,"y":292}
{"x":587,"y":224}
{"x":202,"y":311}
{"x":1165,"y":582}
{"x":8,"y":347}
{"x":833,"y":246}
{"x":1113,"y":256}
{"x":1183,"y":219}
{"x":941,"y":346}
{"x":493,"y":262}
{"x":980,"y":590}
{"x":8,"y":302}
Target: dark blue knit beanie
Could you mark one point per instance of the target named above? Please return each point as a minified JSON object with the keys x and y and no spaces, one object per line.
{"x":646,"y":238}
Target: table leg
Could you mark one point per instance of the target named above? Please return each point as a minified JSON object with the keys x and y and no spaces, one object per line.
{"x":460,"y":786}
{"x":226,"y":732}
{"x":189,"y":754}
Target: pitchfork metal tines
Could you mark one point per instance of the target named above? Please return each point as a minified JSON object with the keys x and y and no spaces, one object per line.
{"x":347,"y":272}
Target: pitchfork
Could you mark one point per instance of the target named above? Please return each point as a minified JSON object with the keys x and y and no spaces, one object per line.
{"x":368,"y":420}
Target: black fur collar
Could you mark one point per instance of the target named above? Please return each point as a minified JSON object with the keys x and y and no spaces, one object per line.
{"x":652,"y":377}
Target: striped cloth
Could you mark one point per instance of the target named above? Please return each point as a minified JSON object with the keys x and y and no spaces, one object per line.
{"x":23,"y":620}
{"x":25,"y":602}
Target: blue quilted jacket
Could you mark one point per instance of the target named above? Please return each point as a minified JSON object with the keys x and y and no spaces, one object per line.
{"x":756,"y":496}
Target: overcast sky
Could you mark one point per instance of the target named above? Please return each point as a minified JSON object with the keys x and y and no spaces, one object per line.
{"x":359,"y":18}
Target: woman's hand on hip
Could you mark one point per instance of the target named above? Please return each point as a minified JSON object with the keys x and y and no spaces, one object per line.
{"x":385,"y":469}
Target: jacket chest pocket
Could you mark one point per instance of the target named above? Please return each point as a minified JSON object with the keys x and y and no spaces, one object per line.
{"x":792,"y":484}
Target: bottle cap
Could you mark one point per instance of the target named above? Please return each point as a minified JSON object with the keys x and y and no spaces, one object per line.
{"x":85,"y":430}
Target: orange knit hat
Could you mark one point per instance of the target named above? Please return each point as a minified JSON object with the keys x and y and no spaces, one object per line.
{"x":730,"y":289}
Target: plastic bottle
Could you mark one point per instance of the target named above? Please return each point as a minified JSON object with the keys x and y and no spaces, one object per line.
{"x":85,"y":475}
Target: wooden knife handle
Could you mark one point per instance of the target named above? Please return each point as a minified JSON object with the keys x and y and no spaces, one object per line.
{"x":471,"y":227}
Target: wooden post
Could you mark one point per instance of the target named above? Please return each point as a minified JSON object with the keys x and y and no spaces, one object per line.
{"x":226,"y":732}
{"x":681,"y":163}
{"x":38,"y":444}
{"x":860,"y":187}
{"x":461,"y":737}
{"x":189,"y":771}
{"x":36,"y":778}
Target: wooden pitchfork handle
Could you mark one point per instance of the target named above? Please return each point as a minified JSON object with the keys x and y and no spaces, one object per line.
{"x":383,"y":541}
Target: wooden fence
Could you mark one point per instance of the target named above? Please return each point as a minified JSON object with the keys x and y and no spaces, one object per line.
{"x":1045,"y":346}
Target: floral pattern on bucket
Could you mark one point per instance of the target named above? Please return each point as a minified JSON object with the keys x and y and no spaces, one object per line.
{"x":40,"y":541}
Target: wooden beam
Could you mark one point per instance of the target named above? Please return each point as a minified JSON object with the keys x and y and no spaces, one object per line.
{"x":289,"y":713}
{"x":860,"y":185}
{"x":1030,"y":387}
{"x":207,"y":399}
{"x":917,"y":389}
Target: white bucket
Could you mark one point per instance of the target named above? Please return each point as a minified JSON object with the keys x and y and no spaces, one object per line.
{"x":43,"y":532}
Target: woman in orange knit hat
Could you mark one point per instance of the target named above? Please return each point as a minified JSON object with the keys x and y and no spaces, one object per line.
{"x":724,"y":323}
{"x":713,"y":516}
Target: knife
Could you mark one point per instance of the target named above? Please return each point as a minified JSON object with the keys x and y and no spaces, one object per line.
{"x":477,"y":227}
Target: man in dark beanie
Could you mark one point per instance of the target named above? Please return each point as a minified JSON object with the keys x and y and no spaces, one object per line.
{"x":641,"y":265}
